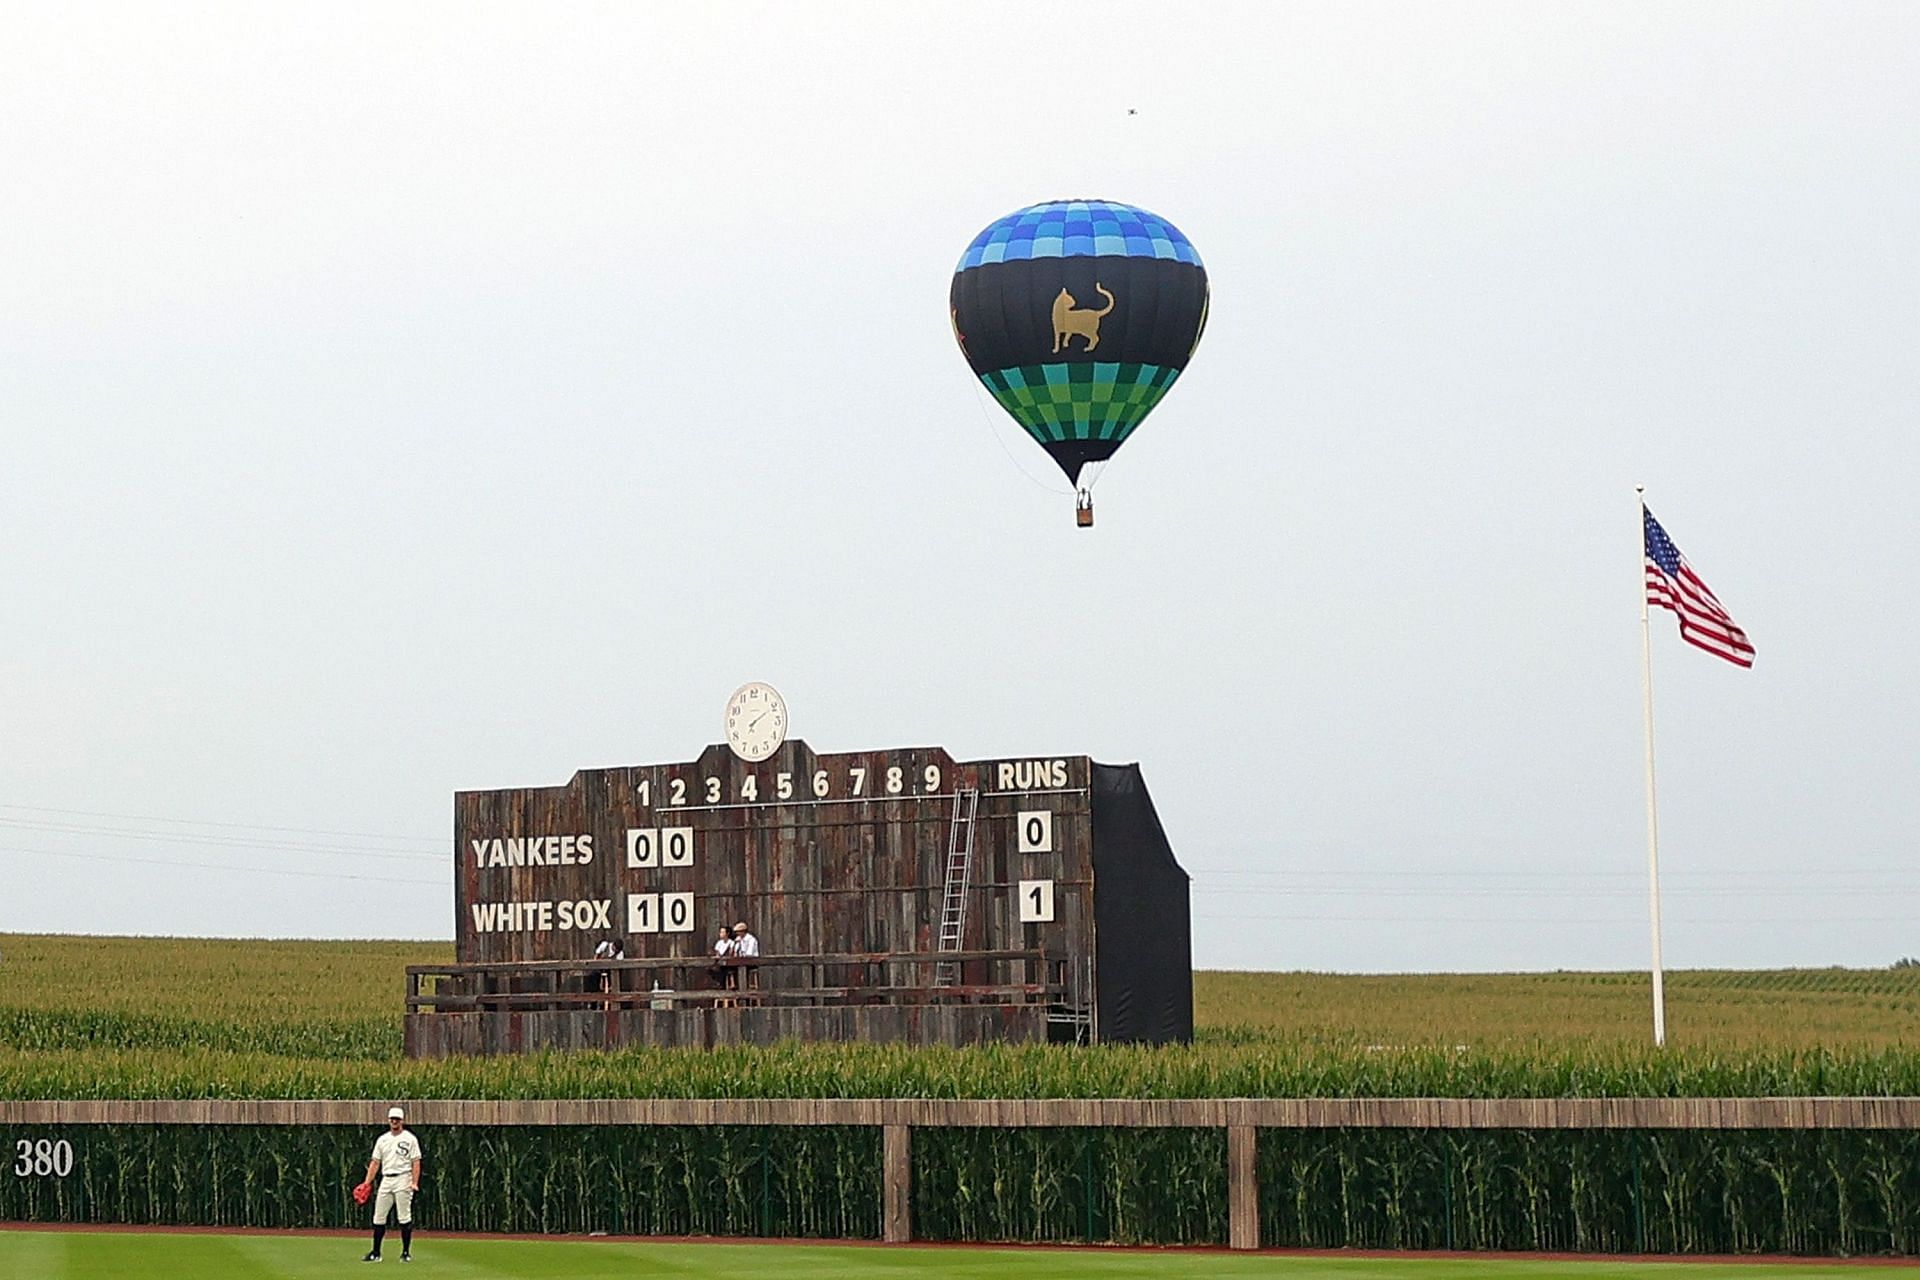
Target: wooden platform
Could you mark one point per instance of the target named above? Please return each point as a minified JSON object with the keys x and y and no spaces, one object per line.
{"x":448,"y":1034}
{"x":483,"y":1009}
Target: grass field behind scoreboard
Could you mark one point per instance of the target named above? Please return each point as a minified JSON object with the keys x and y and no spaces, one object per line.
{"x":165,"y":1017}
{"x":356,"y":982}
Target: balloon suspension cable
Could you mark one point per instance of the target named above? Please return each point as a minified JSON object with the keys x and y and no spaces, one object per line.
{"x":992,"y":422}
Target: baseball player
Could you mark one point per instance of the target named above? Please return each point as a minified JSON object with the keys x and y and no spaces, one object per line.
{"x":396,"y":1162}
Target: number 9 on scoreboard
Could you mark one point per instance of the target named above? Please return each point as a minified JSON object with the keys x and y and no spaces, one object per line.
{"x":1036,"y":902}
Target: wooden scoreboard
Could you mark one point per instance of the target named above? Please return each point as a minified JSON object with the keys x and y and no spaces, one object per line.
{"x":895,"y":895}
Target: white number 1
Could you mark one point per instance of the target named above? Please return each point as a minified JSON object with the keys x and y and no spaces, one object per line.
{"x":1036,"y":901}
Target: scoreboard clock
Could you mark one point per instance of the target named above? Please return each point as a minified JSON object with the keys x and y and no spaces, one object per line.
{"x":756,"y":721}
{"x":836,"y":854}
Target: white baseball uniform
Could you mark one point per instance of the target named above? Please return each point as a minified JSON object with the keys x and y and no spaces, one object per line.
{"x":395,"y":1154}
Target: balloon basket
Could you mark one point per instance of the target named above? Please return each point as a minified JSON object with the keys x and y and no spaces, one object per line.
{"x":1083,"y":509}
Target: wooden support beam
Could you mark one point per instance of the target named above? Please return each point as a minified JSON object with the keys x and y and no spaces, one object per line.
{"x":1901,"y":1113}
{"x":896,"y":1162}
{"x":1243,"y":1187}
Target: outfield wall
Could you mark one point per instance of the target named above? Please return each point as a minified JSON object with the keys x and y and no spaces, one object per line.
{"x":1812,"y":1176}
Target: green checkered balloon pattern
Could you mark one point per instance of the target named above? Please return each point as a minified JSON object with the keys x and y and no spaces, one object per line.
{"x":1097,"y":401}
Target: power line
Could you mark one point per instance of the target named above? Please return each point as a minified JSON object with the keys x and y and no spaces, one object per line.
{"x":1400,"y":873}
{"x":1564,"y":892}
{"x":215,"y":866}
{"x":1530,"y":918}
{"x":209,"y":822}
{"x":229,"y":842}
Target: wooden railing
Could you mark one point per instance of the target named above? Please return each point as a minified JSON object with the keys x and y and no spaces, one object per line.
{"x":1030,"y":977}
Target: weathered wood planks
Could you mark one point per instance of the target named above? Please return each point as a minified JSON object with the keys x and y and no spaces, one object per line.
{"x":439,"y":1035}
{"x":830,"y":859}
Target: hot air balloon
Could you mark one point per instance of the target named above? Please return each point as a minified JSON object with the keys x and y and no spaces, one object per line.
{"x":1078,"y":315}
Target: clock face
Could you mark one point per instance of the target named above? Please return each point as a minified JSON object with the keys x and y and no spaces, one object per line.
{"x":756,"y":721}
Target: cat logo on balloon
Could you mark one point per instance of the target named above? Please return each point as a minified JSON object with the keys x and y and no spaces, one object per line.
{"x":1070,"y":322}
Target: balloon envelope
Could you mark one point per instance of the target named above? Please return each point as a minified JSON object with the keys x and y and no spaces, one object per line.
{"x":1078,"y":315}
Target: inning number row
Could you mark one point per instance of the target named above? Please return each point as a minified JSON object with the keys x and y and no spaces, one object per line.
{"x":893,"y":782}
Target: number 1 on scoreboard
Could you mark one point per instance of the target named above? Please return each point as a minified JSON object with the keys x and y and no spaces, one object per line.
{"x":1036,"y":902}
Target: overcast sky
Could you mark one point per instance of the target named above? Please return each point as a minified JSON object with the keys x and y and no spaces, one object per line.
{"x":403,"y":399}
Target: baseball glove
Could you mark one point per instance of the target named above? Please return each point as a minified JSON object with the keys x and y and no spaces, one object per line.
{"x":362,"y":1192}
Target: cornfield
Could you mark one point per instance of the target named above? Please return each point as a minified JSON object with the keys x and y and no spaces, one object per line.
{"x":1811,"y":1192}
{"x":44,"y":1030}
{"x":354,"y":989}
{"x":1780,"y":1008}
{"x":791,"y":1182}
{"x":140,"y":1018}
{"x":1266,"y":1068}
{"x":1121,"y":1186}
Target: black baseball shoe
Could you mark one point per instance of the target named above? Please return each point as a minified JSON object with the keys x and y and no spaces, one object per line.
{"x":372,"y":1257}
{"x":405,"y":1256}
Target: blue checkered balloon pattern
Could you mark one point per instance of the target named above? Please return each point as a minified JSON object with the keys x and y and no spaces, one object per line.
{"x":1078,"y":229}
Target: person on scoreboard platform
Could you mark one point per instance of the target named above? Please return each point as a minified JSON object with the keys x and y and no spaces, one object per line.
{"x":396,"y":1162}
{"x":746,"y":949}
{"x":610,"y":948}
{"x":722,"y":972}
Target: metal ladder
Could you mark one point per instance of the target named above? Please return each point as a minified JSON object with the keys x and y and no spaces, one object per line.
{"x":1071,"y":1018}
{"x":953,"y":906}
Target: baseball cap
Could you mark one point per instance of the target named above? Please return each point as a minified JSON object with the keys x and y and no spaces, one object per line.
{"x":396,"y":1114}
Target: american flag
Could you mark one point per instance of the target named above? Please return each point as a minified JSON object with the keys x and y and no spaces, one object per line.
{"x":1672,"y":584}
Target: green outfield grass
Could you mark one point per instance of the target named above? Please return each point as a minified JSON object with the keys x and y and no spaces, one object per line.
{"x":111,"y":1256}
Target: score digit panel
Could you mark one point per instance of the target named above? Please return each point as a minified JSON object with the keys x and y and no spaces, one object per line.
{"x":818,"y":854}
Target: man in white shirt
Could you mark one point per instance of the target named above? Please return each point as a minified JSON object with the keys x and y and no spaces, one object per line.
{"x":396,"y":1162}
{"x":610,"y":948}
{"x":746,"y":948}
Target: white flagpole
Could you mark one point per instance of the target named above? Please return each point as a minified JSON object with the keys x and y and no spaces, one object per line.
{"x":1653,"y":823}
